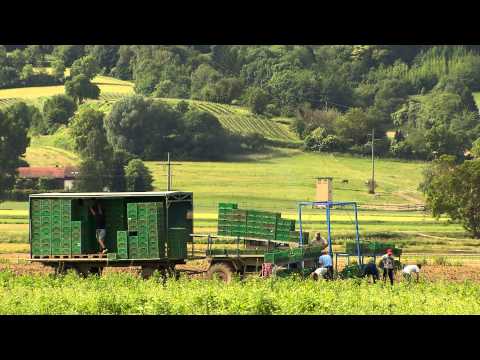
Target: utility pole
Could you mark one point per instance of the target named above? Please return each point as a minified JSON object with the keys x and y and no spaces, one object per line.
{"x":169,"y":171}
{"x":372,"y":185}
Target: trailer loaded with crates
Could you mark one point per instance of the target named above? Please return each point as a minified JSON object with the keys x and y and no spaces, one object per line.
{"x":260,"y":237}
{"x":147,"y":229}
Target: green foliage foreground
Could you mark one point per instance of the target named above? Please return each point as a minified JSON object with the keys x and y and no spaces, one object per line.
{"x":120,"y":293}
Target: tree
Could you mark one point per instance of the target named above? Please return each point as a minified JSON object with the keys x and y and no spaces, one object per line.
{"x":203,"y":76}
{"x":14,"y":124}
{"x":80,"y":88}
{"x":454,"y":190}
{"x":133,"y":118}
{"x":105,"y":55}
{"x":204,"y":136}
{"x":138,"y":176}
{"x":27,"y":72}
{"x":120,"y":160}
{"x":437,"y":123}
{"x":257,"y":100}
{"x":90,"y":142}
{"x":34,"y":55}
{"x":68,"y":53}
{"x":87,"y":65}
{"x":58,"y":110}
{"x":89,"y":135}
{"x":309,"y":119}
{"x":58,"y":69}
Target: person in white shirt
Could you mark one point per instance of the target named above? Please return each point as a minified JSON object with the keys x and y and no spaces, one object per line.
{"x":319,"y":273}
{"x":408,"y":270}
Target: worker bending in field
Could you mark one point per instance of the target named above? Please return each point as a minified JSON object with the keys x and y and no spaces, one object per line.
{"x":320,"y":273}
{"x":388,"y":264}
{"x":371,"y":270}
{"x":326,"y":262}
{"x":100,"y":231}
{"x":408,"y":270}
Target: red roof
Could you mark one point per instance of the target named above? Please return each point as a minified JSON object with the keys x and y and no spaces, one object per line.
{"x":48,"y":172}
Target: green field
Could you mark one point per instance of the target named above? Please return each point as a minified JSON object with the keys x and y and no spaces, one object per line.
{"x":279,"y":181}
{"x":126,"y":294}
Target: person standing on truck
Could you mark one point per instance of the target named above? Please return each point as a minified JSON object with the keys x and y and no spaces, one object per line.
{"x":388,"y":262}
{"x":100,"y":231}
{"x":326,"y":261}
{"x":319,"y":240}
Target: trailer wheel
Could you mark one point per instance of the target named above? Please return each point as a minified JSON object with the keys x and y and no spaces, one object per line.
{"x":173,"y":273}
{"x":146,"y":272}
{"x":85,"y":270}
{"x":61,"y":269}
{"x":96,"y":270}
{"x":222,"y":270}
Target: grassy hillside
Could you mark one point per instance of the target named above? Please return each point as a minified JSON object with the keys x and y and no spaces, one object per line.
{"x":109,"y":87}
{"x":234,"y":118}
{"x":278,"y":183}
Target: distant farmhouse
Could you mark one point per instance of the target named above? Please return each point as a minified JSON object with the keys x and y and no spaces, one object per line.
{"x":63,"y":177}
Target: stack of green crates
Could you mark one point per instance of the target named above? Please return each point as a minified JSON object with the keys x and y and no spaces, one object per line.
{"x":53,"y":231}
{"x":41,"y":227}
{"x":122,"y":244}
{"x":294,"y":236}
{"x":146,"y":227}
{"x":233,"y":221}
{"x":262,"y":224}
{"x":225,"y":212}
{"x":284,"y":256}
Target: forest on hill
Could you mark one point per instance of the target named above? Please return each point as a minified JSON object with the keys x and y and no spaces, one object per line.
{"x":421,"y":96}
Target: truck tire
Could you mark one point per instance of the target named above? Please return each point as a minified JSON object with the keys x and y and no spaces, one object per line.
{"x":147,"y":271}
{"x":85,"y":270}
{"x":61,"y":269}
{"x":222,"y":270}
{"x":173,"y":273}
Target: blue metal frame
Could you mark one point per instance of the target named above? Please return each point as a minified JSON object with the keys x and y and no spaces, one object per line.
{"x":328,"y":205}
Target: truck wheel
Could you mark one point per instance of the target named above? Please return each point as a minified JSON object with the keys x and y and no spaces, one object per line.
{"x":82,"y":271}
{"x":61,"y":269}
{"x":223,"y":271}
{"x":147,"y":272}
{"x":96,"y":270}
{"x":173,"y":273}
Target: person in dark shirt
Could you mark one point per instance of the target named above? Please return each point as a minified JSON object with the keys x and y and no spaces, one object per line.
{"x":371,"y":270}
{"x":101,"y":233}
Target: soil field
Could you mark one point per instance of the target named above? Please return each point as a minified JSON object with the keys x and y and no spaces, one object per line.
{"x":18,"y":264}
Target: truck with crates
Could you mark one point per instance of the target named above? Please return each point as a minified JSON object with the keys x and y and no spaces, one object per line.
{"x":247,"y":239}
{"x":146,"y":229}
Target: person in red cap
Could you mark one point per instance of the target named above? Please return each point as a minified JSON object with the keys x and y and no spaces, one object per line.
{"x":388,"y":262}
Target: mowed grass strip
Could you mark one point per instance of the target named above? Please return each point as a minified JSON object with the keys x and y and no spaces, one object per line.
{"x":105,"y":83}
{"x":50,"y":156}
